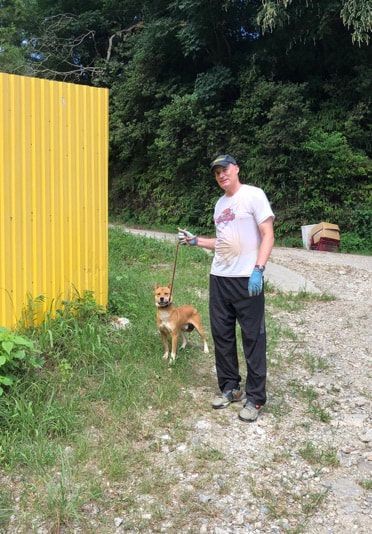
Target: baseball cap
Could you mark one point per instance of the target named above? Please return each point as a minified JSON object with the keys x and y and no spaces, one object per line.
{"x":223,"y":161}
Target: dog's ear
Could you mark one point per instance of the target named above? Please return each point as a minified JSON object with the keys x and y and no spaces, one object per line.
{"x":156,"y":287}
{"x":170,"y":286}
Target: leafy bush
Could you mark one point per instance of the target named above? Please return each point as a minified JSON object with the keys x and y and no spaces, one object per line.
{"x":17,"y":354}
{"x":351,"y":242}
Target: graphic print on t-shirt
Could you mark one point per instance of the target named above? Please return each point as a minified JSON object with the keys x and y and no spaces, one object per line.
{"x":226,"y":216}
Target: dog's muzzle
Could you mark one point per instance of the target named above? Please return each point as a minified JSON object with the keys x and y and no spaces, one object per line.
{"x":163,"y":303}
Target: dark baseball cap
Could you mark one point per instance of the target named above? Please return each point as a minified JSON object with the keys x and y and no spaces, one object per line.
{"x":223,"y":161}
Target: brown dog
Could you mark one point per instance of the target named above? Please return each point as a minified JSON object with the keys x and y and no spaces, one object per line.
{"x":174,"y":321}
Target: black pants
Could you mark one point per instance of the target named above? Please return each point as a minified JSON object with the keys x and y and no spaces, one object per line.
{"x":229,"y":302}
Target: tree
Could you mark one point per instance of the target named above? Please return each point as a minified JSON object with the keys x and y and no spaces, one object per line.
{"x":284,"y":85}
{"x":356,"y":15}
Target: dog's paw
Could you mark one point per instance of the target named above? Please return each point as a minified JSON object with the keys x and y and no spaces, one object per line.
{"x":165,"y":355}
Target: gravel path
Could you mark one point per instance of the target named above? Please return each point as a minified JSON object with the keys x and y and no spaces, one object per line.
{"x":305,"y":466}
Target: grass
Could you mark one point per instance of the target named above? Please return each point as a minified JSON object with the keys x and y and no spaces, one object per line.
{"x":318,"y":412}
{"x":82,"y":432}
{"x":293,"y":302}
{"x":366,"y":484}
{"x":282,"y":502}
{"x":317,"y":456}
{"x":5,"y":507}
{"x":208,"y":453}
{"x":315,"y":363}
{"x":95,"y":385}
{"x":301,"y":391}
{"x":309,"y":396}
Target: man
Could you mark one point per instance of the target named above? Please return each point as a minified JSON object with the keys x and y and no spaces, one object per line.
{"x":243,"y":243}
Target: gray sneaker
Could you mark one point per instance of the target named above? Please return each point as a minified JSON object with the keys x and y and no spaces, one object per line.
{"x":250,"y":412}
{"x":225,"y":398}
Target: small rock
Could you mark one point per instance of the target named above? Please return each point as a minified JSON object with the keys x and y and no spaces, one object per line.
{"x":120,"y":323}
{"x":204,"y":498}
{"x":239,"y":519}
{"x":347,"y":449}
{"x":264,"y":510}
{"x":118,"y":521}
{"x":202,"y":425}
{"x":366,"y":437}
{"x":284,"y":523}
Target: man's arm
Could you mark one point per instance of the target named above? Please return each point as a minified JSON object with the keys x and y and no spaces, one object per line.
{"x":255,"y":281}
{"x":206,"y":242}
{"x":187,"y":238}
{"x":267,"y":241}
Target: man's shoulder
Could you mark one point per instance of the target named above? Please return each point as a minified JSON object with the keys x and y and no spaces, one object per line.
{"x":252,"y":189}
{"x":251,"y":193}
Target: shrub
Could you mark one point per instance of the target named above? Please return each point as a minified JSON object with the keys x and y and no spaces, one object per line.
{"x":17,"y":354}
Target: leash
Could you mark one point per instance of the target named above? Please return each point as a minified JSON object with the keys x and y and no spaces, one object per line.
{"x":174,"y":271}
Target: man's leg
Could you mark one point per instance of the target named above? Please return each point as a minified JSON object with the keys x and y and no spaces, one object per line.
{"x":223,"y":323}
{"x":250,"y":314}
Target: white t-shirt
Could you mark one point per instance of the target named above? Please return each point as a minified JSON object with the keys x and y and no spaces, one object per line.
{"x":237,"y":235}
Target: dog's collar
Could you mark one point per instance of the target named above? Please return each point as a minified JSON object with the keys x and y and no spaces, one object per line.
{"x":164,"y":305}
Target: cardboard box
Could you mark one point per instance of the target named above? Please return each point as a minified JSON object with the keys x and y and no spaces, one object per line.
{"x":324,"y":230}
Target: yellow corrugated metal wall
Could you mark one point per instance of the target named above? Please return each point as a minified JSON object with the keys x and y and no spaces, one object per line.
{"x":53,"y":192}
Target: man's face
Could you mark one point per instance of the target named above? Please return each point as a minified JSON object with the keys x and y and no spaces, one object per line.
{"x":227,"y":177}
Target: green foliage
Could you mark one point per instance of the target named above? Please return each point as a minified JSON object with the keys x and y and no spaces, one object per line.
{"x":351,"y":242}
{"x":335,"y":182}
{"x":315,"y":455}
{"x":11,"y":58}
{"x":17,"y":354}
{"x":366,"y":484}
{"x":90,"y":364}
{"x":73,"y":335}
{"x":355,"y":14}
{"x":283,"y":85}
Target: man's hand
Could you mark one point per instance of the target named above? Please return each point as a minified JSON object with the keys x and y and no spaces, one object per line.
{"x":255,"y":283}
{"x":186,"y":238}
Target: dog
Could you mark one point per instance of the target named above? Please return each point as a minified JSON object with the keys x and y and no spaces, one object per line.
{"x":173,"y":321}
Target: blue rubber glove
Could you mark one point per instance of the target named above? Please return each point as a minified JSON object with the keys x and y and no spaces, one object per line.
{"x":186,"y":238}
{"x":255,"y":283}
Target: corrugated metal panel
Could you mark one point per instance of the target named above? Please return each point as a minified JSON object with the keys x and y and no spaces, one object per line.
{"x":53,"y":192}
